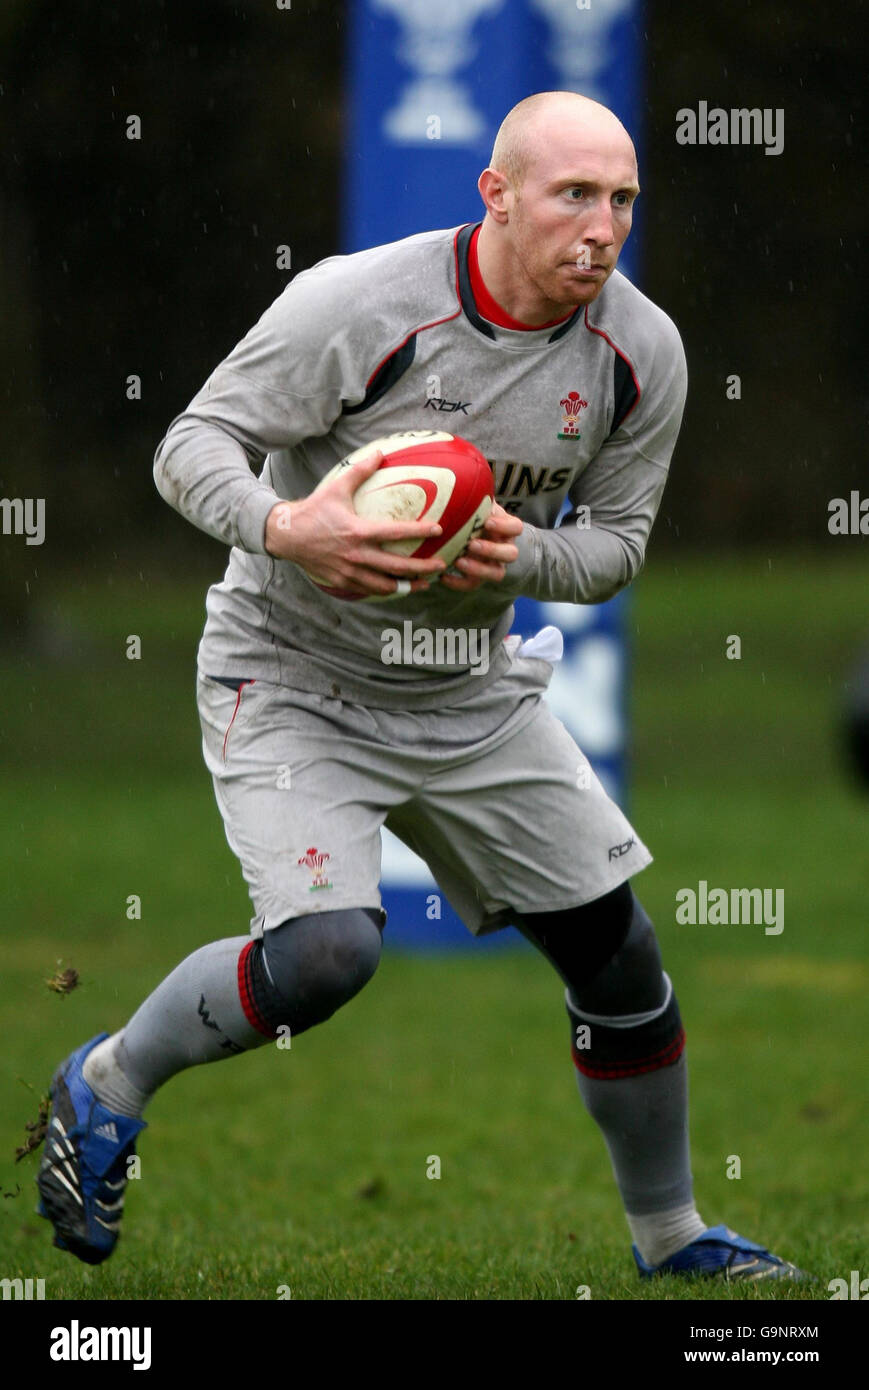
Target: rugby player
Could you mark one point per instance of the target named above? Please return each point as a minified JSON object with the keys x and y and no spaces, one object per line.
{"x":314,"y":743}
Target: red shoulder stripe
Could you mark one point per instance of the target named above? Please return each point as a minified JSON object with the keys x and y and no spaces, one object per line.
{"x":434,"y":323}
{"x":627,"y":361}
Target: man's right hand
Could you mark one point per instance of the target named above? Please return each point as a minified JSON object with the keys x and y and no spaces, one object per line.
{"x":324,"y":535}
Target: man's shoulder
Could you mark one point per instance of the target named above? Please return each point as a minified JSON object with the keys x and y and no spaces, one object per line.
{"x":420,"y":246}
{"x":414,"y":269}
{"x":634,"y":324}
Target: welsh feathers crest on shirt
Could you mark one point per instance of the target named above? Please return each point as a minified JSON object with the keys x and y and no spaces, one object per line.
{"x":571,"y":405}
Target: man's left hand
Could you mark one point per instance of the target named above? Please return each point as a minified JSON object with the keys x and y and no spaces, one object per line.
{"x":486,"y":557}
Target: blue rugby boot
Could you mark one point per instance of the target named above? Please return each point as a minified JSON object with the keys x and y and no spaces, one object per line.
{"x":83,"y":1173}
{"x":721,"y":1253}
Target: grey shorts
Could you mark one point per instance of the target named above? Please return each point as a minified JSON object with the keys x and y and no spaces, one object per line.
{"x":493,"y":794}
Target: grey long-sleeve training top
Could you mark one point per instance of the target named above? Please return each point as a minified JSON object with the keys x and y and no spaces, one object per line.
{"x":390,"y":339}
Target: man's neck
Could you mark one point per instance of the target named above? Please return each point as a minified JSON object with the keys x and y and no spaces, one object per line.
{"x":520,"y":306}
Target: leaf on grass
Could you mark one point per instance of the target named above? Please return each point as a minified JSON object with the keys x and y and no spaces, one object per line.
{"x":36,"y":1130}
{"x":64,"y":981}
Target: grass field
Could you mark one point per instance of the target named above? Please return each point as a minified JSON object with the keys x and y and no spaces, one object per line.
{"x":306,"y":1167}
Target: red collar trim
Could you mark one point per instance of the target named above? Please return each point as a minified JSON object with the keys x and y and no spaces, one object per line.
{"x":490,"y":309}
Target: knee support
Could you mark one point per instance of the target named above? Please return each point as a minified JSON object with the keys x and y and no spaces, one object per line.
{"x":632,"y":980}
{"x":626,"y":1020}
{"x":624,"y":1015}
{"x":580,"y":940}
{"x":298,"y":974}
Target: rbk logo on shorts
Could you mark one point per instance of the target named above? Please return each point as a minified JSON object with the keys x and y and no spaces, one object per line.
{"x":617,"y":851}
{"x":315,"y":859}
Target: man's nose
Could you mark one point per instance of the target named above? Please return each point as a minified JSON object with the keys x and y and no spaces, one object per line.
{"x":599,"y":227}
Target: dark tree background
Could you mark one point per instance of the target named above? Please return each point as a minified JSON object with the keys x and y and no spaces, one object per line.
{"x":153,"y":257}
{"x":760,"y":260}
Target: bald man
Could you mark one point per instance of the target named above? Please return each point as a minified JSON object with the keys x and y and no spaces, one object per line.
{"x":519,"y":334}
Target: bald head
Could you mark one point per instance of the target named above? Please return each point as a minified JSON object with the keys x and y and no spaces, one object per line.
{"x":531,"y":127}
{"x":558,"y":194}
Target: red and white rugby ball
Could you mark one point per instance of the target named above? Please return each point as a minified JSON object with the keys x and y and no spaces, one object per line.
{"x":426,"y":475}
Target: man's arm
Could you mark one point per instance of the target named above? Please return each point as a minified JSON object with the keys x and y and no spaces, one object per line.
{"x":279,"y":385}
{"x":203,"y":469}
{"x":600,"y":545}
{"x":284,"y":382}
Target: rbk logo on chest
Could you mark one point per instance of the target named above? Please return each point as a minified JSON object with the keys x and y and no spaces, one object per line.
{"x":448,"y":407}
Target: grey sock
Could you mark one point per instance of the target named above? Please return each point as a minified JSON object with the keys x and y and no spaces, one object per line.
{"x":644,"y":1121}
{"x":109,"y":1083}
{"x":194,"y":1016}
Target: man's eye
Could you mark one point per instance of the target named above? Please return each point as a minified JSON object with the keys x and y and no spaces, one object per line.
{"x":577,"y":191}
{"x":623,"y":200}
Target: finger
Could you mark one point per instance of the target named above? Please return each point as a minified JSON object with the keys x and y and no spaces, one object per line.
{"x":459,"y":585}
{"x":358,"y":581}
{"x":401,"y":566}
{"x":367,"y":579}
{"x":504,"y":552}
{"x":401,"y":588}
{"x":381,"y":531}
{"x":368,"y":583}
{"x":396,"y":588}
{"x":352,"y":477}
{"x":503,"y":526}
{"x":478,"y":569}
{"x":499,"y":513}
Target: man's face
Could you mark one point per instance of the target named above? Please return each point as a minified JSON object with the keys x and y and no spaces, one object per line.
{"x":569,"y":218}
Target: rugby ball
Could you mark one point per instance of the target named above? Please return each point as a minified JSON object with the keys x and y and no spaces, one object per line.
{"x":425,"y":475}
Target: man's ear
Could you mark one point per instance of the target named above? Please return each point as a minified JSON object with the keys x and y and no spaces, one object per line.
{"x":496,"y":194}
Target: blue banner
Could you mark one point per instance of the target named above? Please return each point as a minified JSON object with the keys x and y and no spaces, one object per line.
{"x":428,"y":84}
